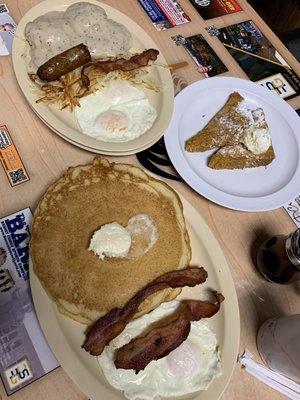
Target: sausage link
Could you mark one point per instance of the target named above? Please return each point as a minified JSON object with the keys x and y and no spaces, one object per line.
{"x":63,"y":63}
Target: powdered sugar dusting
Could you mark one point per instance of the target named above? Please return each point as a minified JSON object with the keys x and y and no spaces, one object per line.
{"x":237,"y":120}
{"x":235,"y":151}
{"x":244,"y":109}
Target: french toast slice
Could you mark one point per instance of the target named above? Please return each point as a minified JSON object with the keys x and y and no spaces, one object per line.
{"x":226,"y":127}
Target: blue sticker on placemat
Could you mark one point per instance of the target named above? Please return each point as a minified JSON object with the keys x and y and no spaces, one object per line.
{"x":152,"y":10}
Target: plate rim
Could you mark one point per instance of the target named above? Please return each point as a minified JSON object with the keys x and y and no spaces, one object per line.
{"x":47,"y":312}
{"x":239,"y":203}
{"x":94,"y":150}
{"x":167,"y":91}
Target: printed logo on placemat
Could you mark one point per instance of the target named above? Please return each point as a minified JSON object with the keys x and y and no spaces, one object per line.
{"x":18,"y":373}
{"x":278,"y":84}
{"x":203,"y":3}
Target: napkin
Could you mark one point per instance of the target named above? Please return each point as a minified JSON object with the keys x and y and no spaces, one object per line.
{"x":273,"y":379}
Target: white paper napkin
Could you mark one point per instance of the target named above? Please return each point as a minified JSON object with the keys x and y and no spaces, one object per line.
{"x":276,"y":381}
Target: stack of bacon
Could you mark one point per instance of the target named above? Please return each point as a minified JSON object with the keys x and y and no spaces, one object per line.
{"x":161,"y":340}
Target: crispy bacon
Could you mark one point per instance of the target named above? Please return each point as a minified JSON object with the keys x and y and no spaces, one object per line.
{"x":112,"y":324}
{"x":160,"y":341}
{"x":136,"y":61}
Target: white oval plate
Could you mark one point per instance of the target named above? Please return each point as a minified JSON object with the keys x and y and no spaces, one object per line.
{"x":103,"y":152}
{"x":63,"y":122}
{"x":251,"y":189}
{"x":66,"y":336}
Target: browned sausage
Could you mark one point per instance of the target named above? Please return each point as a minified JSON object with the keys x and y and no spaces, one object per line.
{"x":63,"y":63}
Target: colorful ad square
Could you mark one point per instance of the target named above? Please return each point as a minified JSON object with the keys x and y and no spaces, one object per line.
{"x":209,"y":9}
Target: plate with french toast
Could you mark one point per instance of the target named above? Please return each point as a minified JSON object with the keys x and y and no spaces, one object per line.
{"x":137,"y":300}
{"x":235,"y":143}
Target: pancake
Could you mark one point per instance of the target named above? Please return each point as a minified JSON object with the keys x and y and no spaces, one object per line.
{"x":86,"y":197}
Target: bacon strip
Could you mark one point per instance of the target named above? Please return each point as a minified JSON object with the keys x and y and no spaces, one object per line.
{"x":136,"y":61}
{"x":160,"y":341}
{"x":112,"y":324}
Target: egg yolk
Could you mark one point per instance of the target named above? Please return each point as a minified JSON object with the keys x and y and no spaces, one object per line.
{"x":184,"y":361}
{"x":112,"y":121}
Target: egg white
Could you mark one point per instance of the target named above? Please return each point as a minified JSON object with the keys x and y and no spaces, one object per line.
{"x":118,"y":113}
{"x":189,"y":368}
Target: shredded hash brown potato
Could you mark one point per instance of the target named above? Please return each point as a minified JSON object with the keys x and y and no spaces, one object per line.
{"x":66,"y":92}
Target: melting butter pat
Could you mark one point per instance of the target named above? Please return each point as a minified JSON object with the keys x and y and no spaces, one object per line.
{"x":257,"y":140}
{"x":111,"y":240}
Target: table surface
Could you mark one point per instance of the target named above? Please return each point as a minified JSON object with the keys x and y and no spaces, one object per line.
{"x":47,"y":156}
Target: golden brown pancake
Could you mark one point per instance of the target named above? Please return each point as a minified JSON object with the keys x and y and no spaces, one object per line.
{"x":73,"y":208}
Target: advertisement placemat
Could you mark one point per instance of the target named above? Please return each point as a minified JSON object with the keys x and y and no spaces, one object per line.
{"x":164,"y":14}
{"x":259,"y":59}
{"x":24,"y":353}
{"x":203,"y":55}
{"x":215,"y":8}
{"x":7,"y":30}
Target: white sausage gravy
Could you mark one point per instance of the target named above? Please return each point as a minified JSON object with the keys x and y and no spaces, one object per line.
{"x":55,"y":32}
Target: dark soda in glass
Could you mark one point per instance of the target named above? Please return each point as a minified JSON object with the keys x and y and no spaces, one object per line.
{"x":278,"y":258}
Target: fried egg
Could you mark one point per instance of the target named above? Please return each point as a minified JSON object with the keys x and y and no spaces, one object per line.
{"x":189,"y":368}
{"x":119,"y":113}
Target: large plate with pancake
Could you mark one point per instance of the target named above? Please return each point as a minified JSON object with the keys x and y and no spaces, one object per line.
{"x":65,"y":218}
{"x":251,"y":189}
{"x":63,"y":122}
